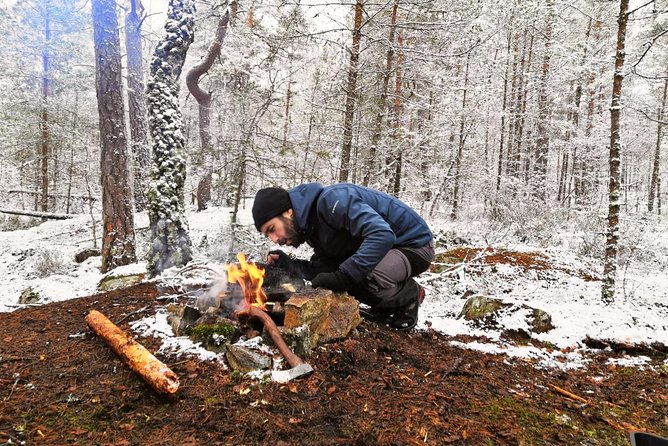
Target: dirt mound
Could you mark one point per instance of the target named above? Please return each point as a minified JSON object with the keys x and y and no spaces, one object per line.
{"x":60,"y":384}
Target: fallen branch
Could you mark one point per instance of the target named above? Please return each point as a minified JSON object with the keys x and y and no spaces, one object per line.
{"x":48,"y":215}
{"x":568,"y":394}
{"x":160,"y":377}
{"x":621,"y":425}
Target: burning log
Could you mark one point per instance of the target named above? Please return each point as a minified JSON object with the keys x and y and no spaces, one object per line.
{"x":160,"y":377}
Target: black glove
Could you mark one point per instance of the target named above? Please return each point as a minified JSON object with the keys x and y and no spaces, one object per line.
{"x":283,"y":261}
{"x":336,"y":281}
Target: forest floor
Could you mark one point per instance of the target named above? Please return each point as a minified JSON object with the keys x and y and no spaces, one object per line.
{"x":60,"y":384}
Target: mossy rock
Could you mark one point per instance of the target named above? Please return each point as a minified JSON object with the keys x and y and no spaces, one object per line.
{"x":110,"y":283}
{"x":213,"y":336}
{"x":540,"y":321}
{"x":480,"y":307}
{"x":29,"y":296}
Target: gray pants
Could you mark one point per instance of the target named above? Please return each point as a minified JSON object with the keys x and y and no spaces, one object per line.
{"x":388,"y":285}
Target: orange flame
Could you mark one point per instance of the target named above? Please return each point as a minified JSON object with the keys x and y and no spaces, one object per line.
{"x":250,"y":277}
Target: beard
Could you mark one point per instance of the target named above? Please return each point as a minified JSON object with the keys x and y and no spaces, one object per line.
{"x":292,"y":237}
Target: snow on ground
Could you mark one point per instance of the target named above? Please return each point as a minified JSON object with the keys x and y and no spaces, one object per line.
{"x":42,"y":257}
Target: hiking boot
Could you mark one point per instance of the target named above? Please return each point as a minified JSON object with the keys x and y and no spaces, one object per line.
{"x":405,"y":318}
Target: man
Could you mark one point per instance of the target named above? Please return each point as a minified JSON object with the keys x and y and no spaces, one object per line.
{"x":365,"y":242}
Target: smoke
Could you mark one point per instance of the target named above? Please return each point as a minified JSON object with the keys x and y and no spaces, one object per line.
{"x":221,"y":296}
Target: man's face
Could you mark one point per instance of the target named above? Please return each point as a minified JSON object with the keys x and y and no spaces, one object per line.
{"x":282,"y":230}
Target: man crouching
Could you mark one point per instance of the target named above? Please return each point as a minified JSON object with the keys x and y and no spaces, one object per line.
{"x":365,"y":242}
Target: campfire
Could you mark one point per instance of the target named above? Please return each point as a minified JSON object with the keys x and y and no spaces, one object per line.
{"x":250,"y":278}
{"x":257,"y":297}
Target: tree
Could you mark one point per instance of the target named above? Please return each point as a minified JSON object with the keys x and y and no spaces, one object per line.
{"x":170,"y":242}
{"x":382,"y":98}
{"x":137,"y":102}
{"x":203,"y":99}
{"x":655,"y":181}
{"x":118,"y":237}
{"x":44,"y":124}
{"x":351,"y":92}
{"x":612,"y":234}
{"x":543,"y":138}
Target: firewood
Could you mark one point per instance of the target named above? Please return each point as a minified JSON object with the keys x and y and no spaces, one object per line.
{"x":160,"y":377}
{"x":568,"y":394}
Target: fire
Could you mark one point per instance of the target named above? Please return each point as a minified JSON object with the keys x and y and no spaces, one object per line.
{"x":250,"y":277}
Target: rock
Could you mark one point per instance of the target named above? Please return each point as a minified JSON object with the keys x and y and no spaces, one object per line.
{"x":517,"y":335}
{"x":484,"y":309}
{"x":214,"y":336}
{"x":329,"y":316}
{"x":29,"y":296}
{"x":111,"y":282}
{"x":479,"y":307}
{"x":298,"y":339}
{"x":244,"y":360}
{"x":539,"y":321}
{"x":182,"y":318}
{"x":84,"y":255}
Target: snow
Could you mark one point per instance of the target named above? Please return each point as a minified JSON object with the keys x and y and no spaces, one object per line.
{"x":639,"y":314}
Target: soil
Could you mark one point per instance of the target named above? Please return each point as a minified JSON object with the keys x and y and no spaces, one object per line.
{"x":60,"y":384}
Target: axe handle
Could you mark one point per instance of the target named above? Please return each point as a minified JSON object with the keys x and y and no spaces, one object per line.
{"x":271,"y":327}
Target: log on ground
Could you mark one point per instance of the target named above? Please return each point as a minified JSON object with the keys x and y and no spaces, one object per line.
{"x":160,"y":377}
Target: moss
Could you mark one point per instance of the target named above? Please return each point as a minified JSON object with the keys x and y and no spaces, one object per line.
{"x":205,"y":333}
{"x":90,"y":419}
{"x":534,"y":423}
{"x":237,"y":376}
{"x":213,"y":400}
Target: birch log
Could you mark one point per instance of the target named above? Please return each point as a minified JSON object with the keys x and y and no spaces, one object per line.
{"x":160,"y":377}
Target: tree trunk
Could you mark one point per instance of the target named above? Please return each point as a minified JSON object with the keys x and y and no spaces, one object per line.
{"x":239,"y":182}
{"x":137,"y":103}
{"x":499,"y":171}
{"x":397,"y":111}
{"x":170,"y":242}
{"x":382,"y":99}
{"x":351,"y":93}
{"x":118,"y":236}
{"x":612,"y":235}
{"x":522,"y":96}
{"x":204,"y":101}
{"x":543,"y":140}
{"x":657,"y":150}
{"x":70,"y":168}
{"x":462,"y":141}
{"x":44,"y":146}
{"x":569,"y":184}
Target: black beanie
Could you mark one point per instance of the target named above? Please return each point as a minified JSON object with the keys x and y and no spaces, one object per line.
{"x":269,"y":203}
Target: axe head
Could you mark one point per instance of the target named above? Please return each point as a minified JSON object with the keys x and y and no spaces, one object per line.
{"x":283,"y":376}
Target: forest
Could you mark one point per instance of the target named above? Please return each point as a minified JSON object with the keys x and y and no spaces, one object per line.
{"x":519,"y":112}
{"x":528,"y":134}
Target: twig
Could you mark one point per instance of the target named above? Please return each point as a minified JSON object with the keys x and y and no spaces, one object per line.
{"x":132,"y":313}
{"x":18,"y":377}
{"x":621,"y":425}
{"x":568,"y":394}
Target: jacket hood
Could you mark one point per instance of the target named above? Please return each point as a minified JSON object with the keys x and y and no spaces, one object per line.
{"x":303,"y":199}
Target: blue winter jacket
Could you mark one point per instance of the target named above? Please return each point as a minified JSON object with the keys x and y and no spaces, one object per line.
{"x":353,"y":226}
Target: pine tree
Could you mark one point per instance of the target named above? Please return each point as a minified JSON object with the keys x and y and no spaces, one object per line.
{"x":118,"y":237}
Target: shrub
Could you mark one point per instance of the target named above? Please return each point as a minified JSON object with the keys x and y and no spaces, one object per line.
{"x":49,"y":262}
